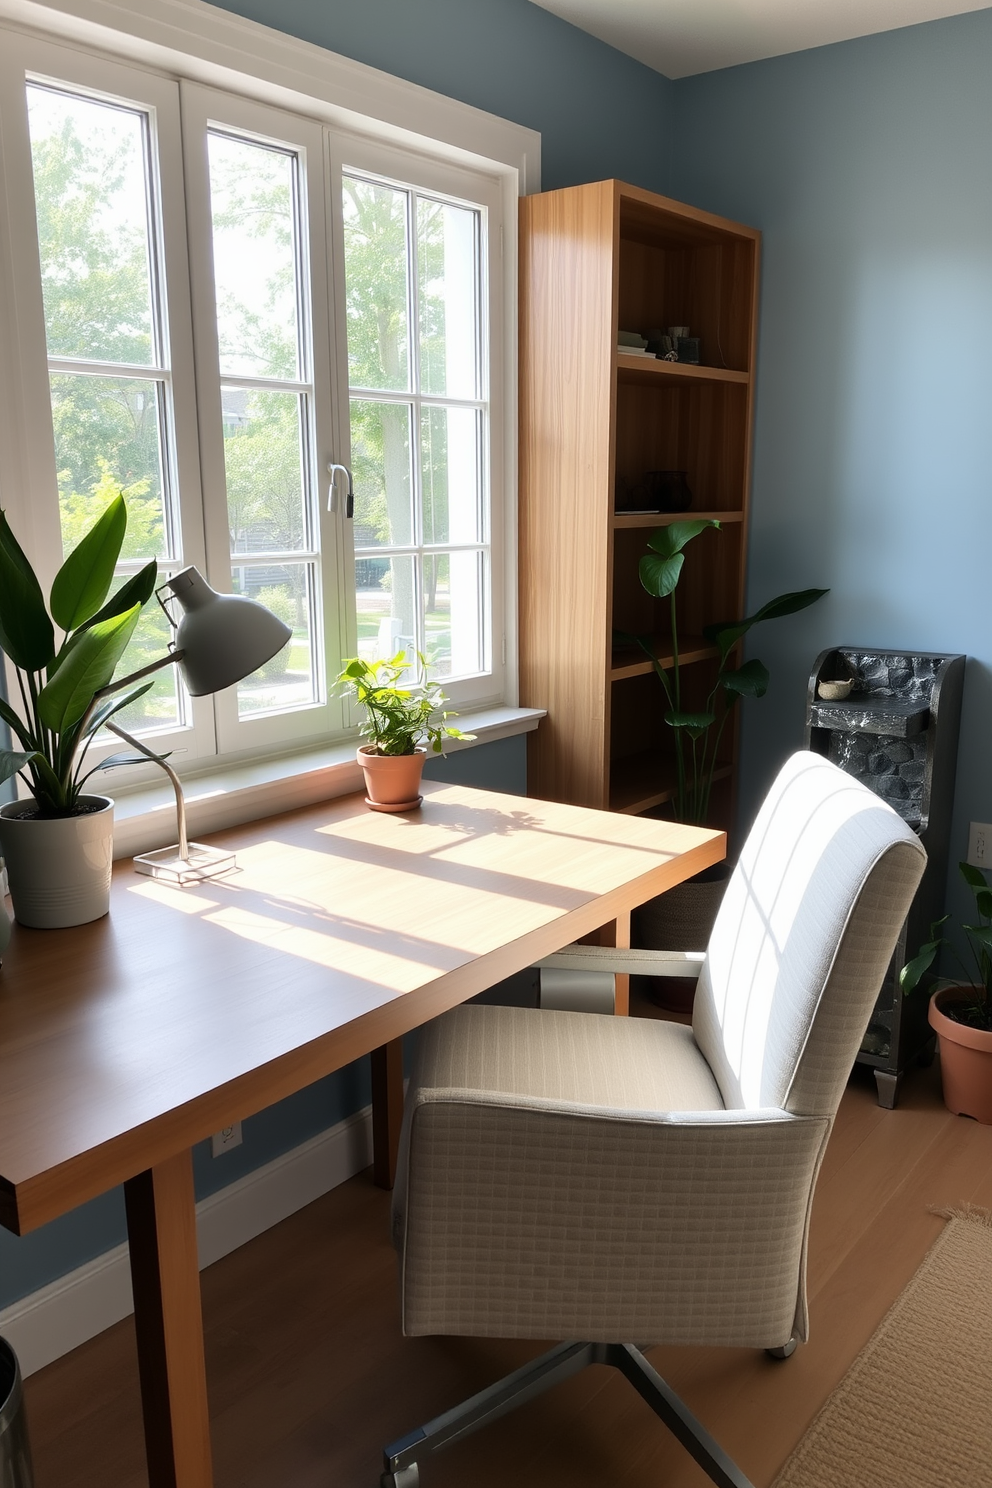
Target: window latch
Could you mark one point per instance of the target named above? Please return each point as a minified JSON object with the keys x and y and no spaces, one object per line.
{"x":332,"y":493}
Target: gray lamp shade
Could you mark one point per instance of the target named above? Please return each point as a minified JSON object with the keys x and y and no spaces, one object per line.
{"x":223,"y":637}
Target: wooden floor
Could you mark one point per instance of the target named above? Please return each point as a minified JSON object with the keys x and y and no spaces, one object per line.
{"x":309,"y":1375}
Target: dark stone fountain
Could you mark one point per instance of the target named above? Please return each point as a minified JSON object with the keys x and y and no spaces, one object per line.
{"x":897,"y":731}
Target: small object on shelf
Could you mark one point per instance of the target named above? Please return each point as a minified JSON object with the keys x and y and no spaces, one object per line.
{"x":676,"y":332}
{"x":668,"y":490}
{"x":687,"y":348}
{"x":638,"y":351}
{"x":631,"y":341}
{"x":835,"y":691}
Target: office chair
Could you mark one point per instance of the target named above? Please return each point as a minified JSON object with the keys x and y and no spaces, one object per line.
{"x":630,"y":1182}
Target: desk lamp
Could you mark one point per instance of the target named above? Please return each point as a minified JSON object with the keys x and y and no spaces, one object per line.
{"x":220,"y":639}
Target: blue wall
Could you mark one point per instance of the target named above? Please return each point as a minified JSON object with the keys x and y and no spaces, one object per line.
{"x":867,"y":167}
{"x":600,"y":113}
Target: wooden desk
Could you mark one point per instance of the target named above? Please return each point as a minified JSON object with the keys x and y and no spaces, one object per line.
{"x":124,"y":1042}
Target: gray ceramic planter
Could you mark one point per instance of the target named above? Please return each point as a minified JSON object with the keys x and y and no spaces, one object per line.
{"x":58,"y":867}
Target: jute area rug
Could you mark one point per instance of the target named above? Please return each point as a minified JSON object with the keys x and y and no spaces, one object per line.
{"x":915,"y":1408}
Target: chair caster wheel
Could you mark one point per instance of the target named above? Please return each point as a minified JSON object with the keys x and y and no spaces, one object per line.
{"x":785,"y":1352}
{"x":403,"y":1477}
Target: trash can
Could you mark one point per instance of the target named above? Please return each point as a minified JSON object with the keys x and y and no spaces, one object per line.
{"x":15,"y":1458}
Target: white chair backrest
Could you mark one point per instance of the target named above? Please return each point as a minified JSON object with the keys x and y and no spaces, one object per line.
{"x":803,"y":939}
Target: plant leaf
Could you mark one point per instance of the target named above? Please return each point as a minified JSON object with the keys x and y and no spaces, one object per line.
{"x":82,"y":582}
{"x":12,"y":760}
{"x":695,"y":724}
{"x":973,"y":877}
{"x":16,"y":724}
{"x":26,"y":632}
{"x":726,"y":633}
{"x":673,"y":536}
{"x":88,"y":667}
{"x":113,"y":760}
{"x":659,"y":576}
{"x":137,"y":590}
{"x":913,"y":971}
{"x":114,"y":705}
{"x":750,"y":680}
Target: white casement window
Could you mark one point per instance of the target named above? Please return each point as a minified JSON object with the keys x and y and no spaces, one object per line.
{"x":285,"y":341}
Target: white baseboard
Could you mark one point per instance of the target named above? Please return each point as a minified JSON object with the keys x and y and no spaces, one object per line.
{"x":64,"y":1314}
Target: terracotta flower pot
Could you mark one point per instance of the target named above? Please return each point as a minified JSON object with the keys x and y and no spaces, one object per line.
{"x":392,"y":781}
{"x":965,"y":1059}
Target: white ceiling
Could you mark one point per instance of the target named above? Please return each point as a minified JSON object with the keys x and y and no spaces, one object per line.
{"x":681,"y":37}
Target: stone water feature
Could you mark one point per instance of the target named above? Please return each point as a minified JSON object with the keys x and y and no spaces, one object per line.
{"x":897,"y":732}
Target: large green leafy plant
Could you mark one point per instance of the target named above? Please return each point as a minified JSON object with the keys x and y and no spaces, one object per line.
{"x":697,"y":734}
{"x":975,"y":1006}
{"x":65,"y":654}
{"x":398,"y":718}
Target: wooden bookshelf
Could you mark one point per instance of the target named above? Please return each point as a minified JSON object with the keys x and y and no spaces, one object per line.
{"x":595,"y":260}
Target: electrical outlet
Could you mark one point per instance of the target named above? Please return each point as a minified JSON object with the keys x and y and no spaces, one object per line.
{"x":980,"y":845}
{"x":223,"y":1141}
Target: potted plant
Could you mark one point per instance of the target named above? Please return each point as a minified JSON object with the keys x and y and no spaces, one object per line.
{"x":400,"y":723}
{"x":961,"y":1011}
{"x":683,"y":918}
{"x":58,"y":845}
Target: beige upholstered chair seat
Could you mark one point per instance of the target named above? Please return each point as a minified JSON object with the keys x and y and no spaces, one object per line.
{"x":579,"y":1177}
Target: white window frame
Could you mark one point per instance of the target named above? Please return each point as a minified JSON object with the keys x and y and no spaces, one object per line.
{"x":33,"y":506}
{"x":351,"y":152}
{"x":187,"y":40}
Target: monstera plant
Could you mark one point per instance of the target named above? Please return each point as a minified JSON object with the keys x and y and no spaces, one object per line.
{"x":64,"y":654}
{"x":697,"y":733}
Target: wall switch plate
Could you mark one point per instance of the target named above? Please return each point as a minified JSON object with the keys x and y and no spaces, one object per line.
{"x":980,"y":845}
{"x":223,"y":1141}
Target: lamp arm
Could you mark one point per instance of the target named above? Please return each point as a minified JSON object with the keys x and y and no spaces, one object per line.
{"x":158,"y":760}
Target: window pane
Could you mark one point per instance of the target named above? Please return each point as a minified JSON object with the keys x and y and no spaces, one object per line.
{"x":253,"y":195}
{"x":107,"y":435}
{"x":386,"y":601}
{"x":380,"y":458}
{"x":450,"y":473}
{"x":92,"y":205}
{"x":264,"y":444}
{"x":453,"y":613}
{"x":376,"y":270}
{"x":447,"y":249}
{"x":287,"y":681}
{"x":160,"y":708}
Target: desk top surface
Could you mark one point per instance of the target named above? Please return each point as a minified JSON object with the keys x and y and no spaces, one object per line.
{"x":127,"y":1039}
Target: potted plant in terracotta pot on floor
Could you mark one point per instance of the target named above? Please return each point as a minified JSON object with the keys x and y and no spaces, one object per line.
{"x":683,"y":918}
{"x":961,"y":1011}
{"x":58,"y":845}
{"x":401,"y":721}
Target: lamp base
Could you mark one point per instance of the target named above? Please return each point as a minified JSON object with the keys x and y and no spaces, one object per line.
{"x":203,"y":862}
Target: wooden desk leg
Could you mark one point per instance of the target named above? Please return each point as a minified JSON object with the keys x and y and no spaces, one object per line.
{"x":161,"y":1227}
{"x":615,"y":933}
{"x":387,"y":1111}
{"x":621,"y":937}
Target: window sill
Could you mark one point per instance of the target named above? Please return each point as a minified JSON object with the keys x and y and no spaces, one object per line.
{"x":146,"y":818}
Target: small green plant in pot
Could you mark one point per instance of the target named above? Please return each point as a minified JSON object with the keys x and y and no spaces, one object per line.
{"x":58,"y":845}
{"x":401,"y":721}
{"x":960,"y":1009}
